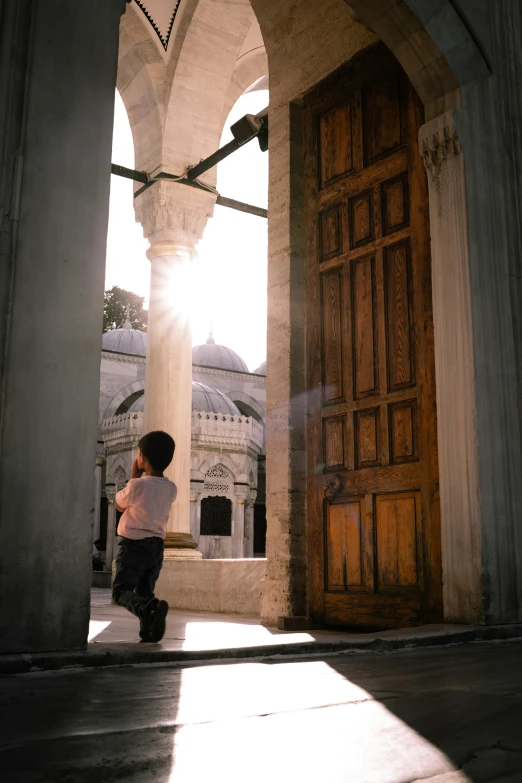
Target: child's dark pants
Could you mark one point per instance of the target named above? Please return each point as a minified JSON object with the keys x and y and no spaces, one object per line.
{"x":138,"y":566}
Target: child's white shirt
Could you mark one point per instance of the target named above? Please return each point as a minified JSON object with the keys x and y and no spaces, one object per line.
{"x":147,"y":501}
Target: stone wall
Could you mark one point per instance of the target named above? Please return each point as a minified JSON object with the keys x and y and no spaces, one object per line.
{"x":305,"y":41}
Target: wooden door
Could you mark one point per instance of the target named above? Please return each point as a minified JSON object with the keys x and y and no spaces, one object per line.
{"x":373,"y":505}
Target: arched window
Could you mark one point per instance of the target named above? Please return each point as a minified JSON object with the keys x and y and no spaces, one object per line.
{"x":216,"y":516}
{"x":218,"y":479}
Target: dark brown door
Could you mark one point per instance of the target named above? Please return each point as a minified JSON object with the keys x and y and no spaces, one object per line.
{"x":373,"y":504}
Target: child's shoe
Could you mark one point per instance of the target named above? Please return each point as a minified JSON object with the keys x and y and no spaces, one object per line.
{"x":155,"y":621}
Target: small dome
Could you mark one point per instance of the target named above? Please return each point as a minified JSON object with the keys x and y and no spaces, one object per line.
{"x":212,"y":355}
{"x":125,"y":340}
{"x":261,"y":370}
{"x":204,"y":398}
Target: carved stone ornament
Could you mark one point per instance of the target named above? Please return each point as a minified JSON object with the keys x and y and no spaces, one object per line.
{"x":174,"y":213}
{"x":333,"y":485}
{"x":438,"y":140}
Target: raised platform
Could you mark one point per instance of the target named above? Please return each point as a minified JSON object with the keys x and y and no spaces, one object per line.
{"x":226,"y":586}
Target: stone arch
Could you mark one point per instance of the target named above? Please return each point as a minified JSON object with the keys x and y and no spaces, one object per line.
{"x":437,"y":64}
{"x":248,"y":406}
{"x":218,"y":480}
{"x":121,"y":396}
{"x":211,"y":462}
{"x":140,"y":82}
{"x":206,"y":62}
{"x":250,"y":67}
{"x":119,"y":471}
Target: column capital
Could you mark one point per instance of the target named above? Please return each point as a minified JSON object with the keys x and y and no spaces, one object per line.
{"x":110,"y":491}
{"x":439,"y":140}
{"x":173,"y":217}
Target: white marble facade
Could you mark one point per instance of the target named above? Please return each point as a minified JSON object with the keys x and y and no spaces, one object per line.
{"x":228,"y":442}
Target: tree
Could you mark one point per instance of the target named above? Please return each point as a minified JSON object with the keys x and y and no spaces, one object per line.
{"x":116,"y":302}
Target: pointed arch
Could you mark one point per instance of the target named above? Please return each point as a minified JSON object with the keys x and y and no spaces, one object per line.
{"x":141,"y":84}
{"x":204,"y":68}
{"x":124,"y":394}
{"x":211,"y":462}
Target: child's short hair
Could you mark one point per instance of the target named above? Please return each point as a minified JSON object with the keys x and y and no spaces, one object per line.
{"x":158,"y":447}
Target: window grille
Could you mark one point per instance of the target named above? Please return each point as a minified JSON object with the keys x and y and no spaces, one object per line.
{"x":218,"y":472}
{"x":222,"y":482}
{"x":216,"y":516}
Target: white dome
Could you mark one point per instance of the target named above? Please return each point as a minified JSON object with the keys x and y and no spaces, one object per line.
{"x":125,"y":340}
{"x":204,"y":398}
{"x":219,"y":356}
{"x":261,"y":370}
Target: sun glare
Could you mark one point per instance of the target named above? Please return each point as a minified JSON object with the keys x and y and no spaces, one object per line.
{"x":96,"y":627}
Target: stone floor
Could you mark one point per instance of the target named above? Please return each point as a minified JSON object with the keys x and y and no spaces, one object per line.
{"x":446,"y":715}
{"x":112,"y":626}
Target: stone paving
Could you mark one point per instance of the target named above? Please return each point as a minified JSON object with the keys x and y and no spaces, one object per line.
{"x":111,"y":627}
{"x":191,"y":636}
{"x":447,"y":715}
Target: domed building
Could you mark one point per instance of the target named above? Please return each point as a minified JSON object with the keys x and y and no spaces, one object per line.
{"x":218,"y":356}
{"x":228,"y":441}
{"x":126,"y":340}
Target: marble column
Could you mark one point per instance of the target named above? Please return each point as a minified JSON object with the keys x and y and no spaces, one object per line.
{"x":111,"y":526}
{"x":195,"y":511}
{"x":97,"y":498}
{"x":173,"y":217}
{"x":248,"y":549}
{"x":455,"y":373}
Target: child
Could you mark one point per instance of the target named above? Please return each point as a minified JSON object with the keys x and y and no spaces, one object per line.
{"x":145,"y":502}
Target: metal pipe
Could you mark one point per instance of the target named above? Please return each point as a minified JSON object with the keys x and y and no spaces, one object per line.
{"x":195,"y":171}
{"x":231,"y":203}
{"x":222,"y":201}
{"x":121,"y":171}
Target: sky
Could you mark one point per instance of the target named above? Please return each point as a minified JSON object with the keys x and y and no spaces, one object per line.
{"x":230,"y":273}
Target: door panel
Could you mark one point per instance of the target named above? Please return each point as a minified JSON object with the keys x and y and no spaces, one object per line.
{"x":373,"y":518}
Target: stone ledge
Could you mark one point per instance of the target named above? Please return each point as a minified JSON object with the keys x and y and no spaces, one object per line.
{"x":224,"y":586}
{"x":135,"y":655}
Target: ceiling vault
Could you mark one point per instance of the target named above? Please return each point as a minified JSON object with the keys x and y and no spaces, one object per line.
{"x":163,"y":35}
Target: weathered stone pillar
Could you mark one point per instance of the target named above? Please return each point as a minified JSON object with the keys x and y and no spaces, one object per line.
{"x":173,"y":217}
{"x":455,"y":375}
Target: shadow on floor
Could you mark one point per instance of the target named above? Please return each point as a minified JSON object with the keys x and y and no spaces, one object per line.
{"x":459,"y":708}
{"x":446,"y":715}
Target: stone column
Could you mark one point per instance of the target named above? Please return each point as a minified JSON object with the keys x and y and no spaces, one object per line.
{"x":248,"y":549}
{"x":110,"y":490}
{"x":454,"y":367}
{"x":97,"y":497}
{"x":173,"y":217}
{"x":195,"y":511}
